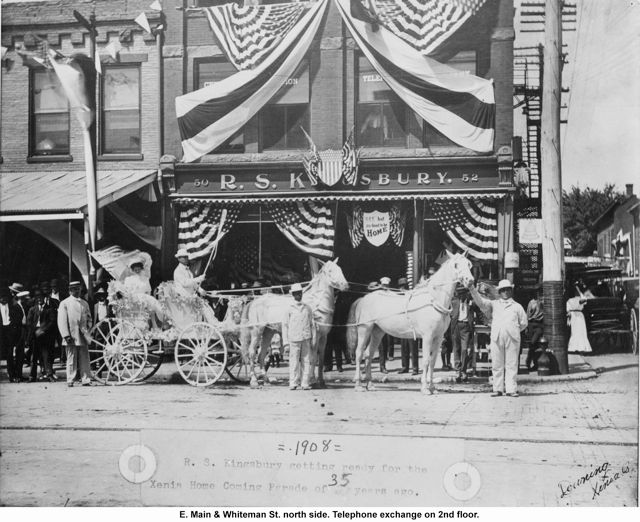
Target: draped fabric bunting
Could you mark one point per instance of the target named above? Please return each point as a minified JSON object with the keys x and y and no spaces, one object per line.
{"x":308,"y":225}
{"x":150,"y":234}
{"x":471,"y":224}
{"x":209,"y":116}
{"x":201,"y":226}
{"x":397,"y":224}
{"x":248,"y":34}
{"x":461,"y":106}
{"x":424,"y":25}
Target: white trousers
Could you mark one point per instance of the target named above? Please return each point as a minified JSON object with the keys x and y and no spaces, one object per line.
{"x":504,"y":364}
{"x":78,"y":361}
{"x":299,"y":363}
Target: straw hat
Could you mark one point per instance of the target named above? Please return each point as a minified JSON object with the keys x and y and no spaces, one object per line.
{"x":296,"y":287}
{"x":505,"y":283}
{"x":385,"y":280}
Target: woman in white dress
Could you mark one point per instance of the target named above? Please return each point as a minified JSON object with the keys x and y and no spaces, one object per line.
{"x":578,"y":342}
{"x":138,"y":284}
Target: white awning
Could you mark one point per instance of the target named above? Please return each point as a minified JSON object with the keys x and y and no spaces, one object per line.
{"x":38,"y":196}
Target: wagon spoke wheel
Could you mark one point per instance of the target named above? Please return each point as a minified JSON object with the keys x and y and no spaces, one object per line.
{"x":633,"y":327}
{"x":238,"y":363}
{"x":201,"y":354}
{"x":155,"y":357}
{"x":118,"y":352}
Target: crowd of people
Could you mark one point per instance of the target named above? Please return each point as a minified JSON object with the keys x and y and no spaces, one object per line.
{"x":52,"y":321}
{"x":46,"y":322}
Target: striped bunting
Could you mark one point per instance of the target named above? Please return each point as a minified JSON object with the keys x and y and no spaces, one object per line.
{"x":425,"y":24}
{"x":199,"y":227}
{"x":471,"y":224}
{"x":248,"y":34}
{"x":209,"y":116}
{"x":308,"y":225}
{"x":461,"y":106}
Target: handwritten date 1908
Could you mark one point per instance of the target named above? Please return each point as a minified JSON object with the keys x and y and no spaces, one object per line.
{"x":305,"y":446}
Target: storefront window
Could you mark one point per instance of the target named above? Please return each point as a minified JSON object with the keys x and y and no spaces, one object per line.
{"x":49,"y":129}
{"x":121,"y":110}
{"x":282,"y":120}
{"x":208,"y":72}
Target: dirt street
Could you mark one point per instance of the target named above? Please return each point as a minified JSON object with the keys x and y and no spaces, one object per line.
{"x":560,"y":443}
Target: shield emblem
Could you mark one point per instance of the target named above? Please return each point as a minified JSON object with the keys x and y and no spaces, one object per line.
{"x":376,"y":226}
{"x":330,"y":168}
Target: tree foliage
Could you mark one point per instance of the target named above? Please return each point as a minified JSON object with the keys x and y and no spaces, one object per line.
{"x":581,"y":208}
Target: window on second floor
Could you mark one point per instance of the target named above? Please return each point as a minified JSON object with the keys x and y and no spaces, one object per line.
{"x":382,"y":118}
{"x":120,"y":131}
{"x":282,"y":120}
{"x":207,"y":72}
{"x":49,"y":116}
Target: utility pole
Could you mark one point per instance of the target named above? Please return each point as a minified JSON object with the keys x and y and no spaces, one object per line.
{"x":551,"y":195}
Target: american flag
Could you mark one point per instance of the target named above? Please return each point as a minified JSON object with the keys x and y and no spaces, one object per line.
{"x":248,"y":34}
{"x":355,"y":223}
{"x":311,"y":160}
{"x":397,"y":222}
{"x":199,"y":227}
{"x":308,"y":225}
{"x":350,"y":158}
{"x":471,"y":224}
{"x":424,"y":24}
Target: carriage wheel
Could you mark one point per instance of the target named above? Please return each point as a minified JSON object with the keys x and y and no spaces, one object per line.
{"x":633,"y":327}
{"x":118,"y":352}
{"x":201,"y":354}
{"x":237,"y":365}
{"x":155,"y":357}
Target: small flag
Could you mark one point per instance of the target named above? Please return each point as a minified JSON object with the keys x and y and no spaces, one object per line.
{"x":143,"y":22}
{"x":156,"y":6}
{"x":98,"y":63}
{"x":73,"y":80}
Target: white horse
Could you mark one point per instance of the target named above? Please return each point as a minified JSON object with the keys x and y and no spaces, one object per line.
{"x":270,"y":310}
{"x":419,"y":313}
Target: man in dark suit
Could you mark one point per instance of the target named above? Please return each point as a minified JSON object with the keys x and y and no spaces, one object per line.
{"x":41,"y":336}
{"x":21,"y":300}
{"x":462,"y":324}
{"x":10,"y":323}
{"x":54,"y":303}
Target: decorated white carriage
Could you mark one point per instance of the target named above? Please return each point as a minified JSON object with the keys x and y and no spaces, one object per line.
{"x":143,"y":331}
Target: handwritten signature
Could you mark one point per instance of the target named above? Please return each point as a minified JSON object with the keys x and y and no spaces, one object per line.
{"x":598,"y":479}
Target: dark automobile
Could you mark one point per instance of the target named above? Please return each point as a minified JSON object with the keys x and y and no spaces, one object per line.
{"x":611,"y":310}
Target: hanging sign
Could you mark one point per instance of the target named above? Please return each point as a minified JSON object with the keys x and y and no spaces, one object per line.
{"x":377,"y":226}
{"x":530,"y":231}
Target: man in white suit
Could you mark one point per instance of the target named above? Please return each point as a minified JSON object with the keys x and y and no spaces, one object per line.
{"x":74,"y":323}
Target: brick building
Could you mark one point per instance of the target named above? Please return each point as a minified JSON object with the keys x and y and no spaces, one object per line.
{"x":407,"y":170}
{"x":42,"y":169}
{"x":336,"y":89}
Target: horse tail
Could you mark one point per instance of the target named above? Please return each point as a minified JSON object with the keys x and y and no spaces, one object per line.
{"x":352,"y":330}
